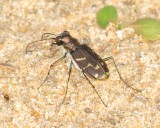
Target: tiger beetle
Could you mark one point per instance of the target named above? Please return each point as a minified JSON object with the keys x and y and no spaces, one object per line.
{"x":83,"y":57}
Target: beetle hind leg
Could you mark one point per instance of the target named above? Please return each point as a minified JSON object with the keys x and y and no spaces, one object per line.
{"x":111,"y":58}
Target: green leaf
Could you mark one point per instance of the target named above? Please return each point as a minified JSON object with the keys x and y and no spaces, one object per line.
{"x":121,"y":26}
{"x":149,"y":28}
{"x":106,"y":15}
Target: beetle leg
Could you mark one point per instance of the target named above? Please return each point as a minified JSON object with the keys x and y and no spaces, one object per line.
{"x":69,"y":74}
{"x":94,"y":89}
{"x":111,"y":58}
{"x":60,"y":59}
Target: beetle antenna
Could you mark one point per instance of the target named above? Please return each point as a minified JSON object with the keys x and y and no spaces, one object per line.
{"x":46,"y":35}
{"x":43,"y":37}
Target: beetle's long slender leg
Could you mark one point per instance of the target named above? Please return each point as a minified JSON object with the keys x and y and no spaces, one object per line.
{"x":94,"y":89}
{"x":111,"y":58}
{"x":60,"y":59}
{"x":69,"y":74}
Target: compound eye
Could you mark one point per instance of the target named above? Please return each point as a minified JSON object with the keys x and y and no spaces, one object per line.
{"x":58,"y":39}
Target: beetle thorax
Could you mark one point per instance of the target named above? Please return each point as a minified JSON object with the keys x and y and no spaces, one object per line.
{"x":70,"y":43}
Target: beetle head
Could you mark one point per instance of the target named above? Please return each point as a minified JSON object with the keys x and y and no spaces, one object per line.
{"x":62,"y":38}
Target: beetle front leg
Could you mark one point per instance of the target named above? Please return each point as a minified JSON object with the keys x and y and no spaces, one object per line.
{"x":60,"y":59}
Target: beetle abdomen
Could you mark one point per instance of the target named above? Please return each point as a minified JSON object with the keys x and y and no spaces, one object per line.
{"x":90,"y":62}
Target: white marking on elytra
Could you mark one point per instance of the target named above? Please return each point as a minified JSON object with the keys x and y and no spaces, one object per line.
{"x":97,"y":67}
{"x":74,"y":62}
{"x":102,"y":63}
{"x":96,"y":75}
{"x":107,"y":73}
{"x":89,"y":65}
{"x":80,"y":59}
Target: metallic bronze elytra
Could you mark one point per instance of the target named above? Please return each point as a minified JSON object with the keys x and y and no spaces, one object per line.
{"x":89,"y":62}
